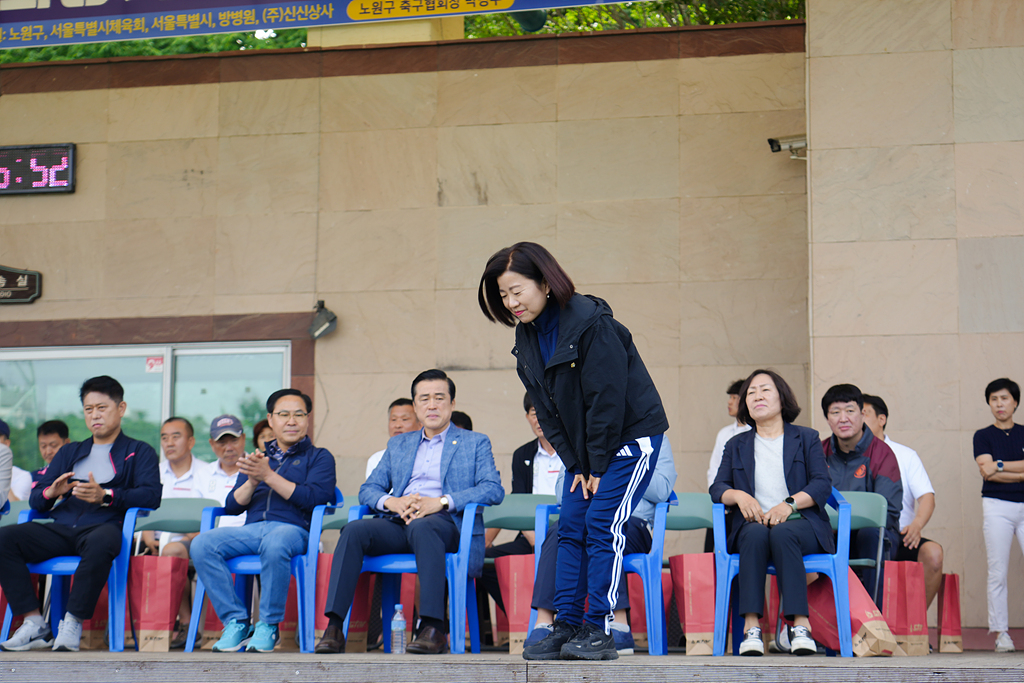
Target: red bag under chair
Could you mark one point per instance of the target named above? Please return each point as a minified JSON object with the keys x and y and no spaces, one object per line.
{"x":94,"y":629}
{"x":288,"y":628}
{"x":950,"y":634}
{"x":871,"y":635}
{"x":155,"y":587}
{"x":904,"y":606}
{"x":693,"y":577}
{"x":515,"y":577}
{"x":18,"y":619}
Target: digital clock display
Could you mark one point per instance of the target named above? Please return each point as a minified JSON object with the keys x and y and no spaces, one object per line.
{"x":31,"y":169}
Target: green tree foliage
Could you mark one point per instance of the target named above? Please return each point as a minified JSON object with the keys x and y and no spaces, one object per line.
{"x":634,"y":15}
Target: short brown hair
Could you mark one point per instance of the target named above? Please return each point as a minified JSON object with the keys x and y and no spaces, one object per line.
{"x":531,"y":260}
{"x":790,"y":408}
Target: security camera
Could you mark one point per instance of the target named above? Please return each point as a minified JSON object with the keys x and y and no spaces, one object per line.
{"x":789,"y":143}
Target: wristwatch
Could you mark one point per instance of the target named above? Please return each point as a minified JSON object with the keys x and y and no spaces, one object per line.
{"x":444,"y":502}
{"x":999,"y":465}
{"x":791,"y":503}
{"x":108,"y":498}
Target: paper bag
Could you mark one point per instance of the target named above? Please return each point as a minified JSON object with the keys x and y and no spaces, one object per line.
{"x":871,"y":635}
{"x":693,"y":577}
{"x":950,"y":635}
{"x":288,"y":628}
{"x":515,"y":577}
{"x":904,"y":606}
{"x":323,"y":584}
{"x":155,"y":587}
{"x":94,"y":629}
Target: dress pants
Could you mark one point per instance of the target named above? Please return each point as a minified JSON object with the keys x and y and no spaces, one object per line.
{"x":428,"y":538}
{"x":638,"y":540}
{"x":30,"y":543}
{"x":784,"y":545}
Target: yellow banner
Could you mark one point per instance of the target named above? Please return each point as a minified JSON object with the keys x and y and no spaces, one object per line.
{"x":375,"y":10}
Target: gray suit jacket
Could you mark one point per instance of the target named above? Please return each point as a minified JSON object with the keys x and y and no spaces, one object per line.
{"x":468,"y":475}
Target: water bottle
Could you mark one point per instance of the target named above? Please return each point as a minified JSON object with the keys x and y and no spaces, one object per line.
{"x":398,"y":632}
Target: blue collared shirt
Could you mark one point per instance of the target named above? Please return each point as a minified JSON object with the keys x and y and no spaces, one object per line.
{"x":426,"y":470}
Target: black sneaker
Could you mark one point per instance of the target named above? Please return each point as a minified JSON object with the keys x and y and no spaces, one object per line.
{"x":550,"y":647}
{"x":590,"y":642}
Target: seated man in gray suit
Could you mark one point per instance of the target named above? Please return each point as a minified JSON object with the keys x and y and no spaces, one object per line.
{"x":435,"y":473}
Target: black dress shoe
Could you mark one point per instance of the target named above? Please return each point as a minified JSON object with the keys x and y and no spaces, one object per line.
{"x":332,"y":643}
{"x":430,"y":641}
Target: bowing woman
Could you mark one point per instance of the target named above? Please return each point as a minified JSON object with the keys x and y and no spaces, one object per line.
{"x":775,"y":481}
{"x":600,"y":410}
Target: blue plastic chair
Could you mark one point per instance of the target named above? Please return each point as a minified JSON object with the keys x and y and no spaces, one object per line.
{"x":456,"y":571}
{"x":65,"y":566}
{"x":836,"y":567}
{"x":647,"y":565}
{"x":244,"y":567}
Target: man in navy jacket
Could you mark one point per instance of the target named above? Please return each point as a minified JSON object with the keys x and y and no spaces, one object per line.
{"x":87,"y":488}
{"x":278,"y":492}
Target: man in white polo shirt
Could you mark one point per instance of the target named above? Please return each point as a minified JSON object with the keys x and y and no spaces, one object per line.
{"x":227,"y":439}
{"x":918,"y":501}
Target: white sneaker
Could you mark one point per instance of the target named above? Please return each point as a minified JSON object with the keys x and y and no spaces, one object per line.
{"x":29,"y":636}
{"x":69,"y":635}
{"x":801,"y":642}
{"x":752,"y":645}
{"x":1004,"y":643}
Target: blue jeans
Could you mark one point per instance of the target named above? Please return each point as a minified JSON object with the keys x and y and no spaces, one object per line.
{"x":275,"y":542}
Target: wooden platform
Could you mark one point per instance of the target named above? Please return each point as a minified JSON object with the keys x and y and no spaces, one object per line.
{"x":133,"y":667}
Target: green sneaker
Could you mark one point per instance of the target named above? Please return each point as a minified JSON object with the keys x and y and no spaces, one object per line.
{"x":236,"y":636}
{"x":264,"y":638}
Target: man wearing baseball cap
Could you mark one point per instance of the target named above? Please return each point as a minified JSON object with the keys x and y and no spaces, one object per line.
{"x":227,"y":439}
{"x":6,"y":461}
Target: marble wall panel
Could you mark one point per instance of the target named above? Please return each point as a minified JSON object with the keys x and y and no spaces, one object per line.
{"x":747,"y":322}
{"x":468,"y":235}
{"x":854,"y":295}
{"x":991,"y":284}
{"x":379,"y":332}
{"x":621,"y":242}
{"x":651,"y":313}
{"x":917,"y":375}
{"x":261,"y":174}
{"x":380,"y":102}
{"x":508,"y":164}
{"x":167,"y":257}
{"x":377,"y":250}
{"x":618,"y":159}
{"x":888,"y":193}
{"x":86,"y":203}
{"x":744,"y":83}
{"x":940,"y":454}
{"x":614,"y":90}
{"x":162,"y":179}
{"x":988,"y":94}
{"x":164,"y":113}
{"x":990,"y":189}
{"x":494,"y":399}
{"x":987,"y":23}
{"x":66,"y":253}
{"x":378,"y":170}
{"x":490,"y":96}
{"x":244,"y":244}
{"x":465,"y":338}
{"x":881,"y":100}
{"x":723,"y":155}
{"x":841,"y":27}
{"x":743,"y":238}
{"x":983,"y":358}
{"x":666,"y":380}
{"x":263,"y":303}
{"x":270,"y":107}
{"x":101,"y":307}
{"x":78,"y":116}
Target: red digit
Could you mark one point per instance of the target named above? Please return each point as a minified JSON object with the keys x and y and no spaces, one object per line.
{"x":39,"y":169}
{"x":5,"y":177}
{"x":53,"y":173}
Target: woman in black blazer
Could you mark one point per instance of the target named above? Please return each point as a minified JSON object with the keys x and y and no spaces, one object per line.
{"x":777,"y":509}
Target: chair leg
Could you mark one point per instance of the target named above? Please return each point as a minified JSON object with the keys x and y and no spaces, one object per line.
{"x":391,"y":594}
{"x":654,"y":606}
{"x":457,"y":609}
{"x":841,"y":590}
{"x":59,"y":588}
{"x":723,"y":590}
{"x":473,"y":617}
{"x":197,"y":615}
{"x":8,"y":617}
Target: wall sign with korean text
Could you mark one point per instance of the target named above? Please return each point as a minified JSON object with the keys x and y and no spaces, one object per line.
{"x":19,"y":286}
{"x":37,"y":169}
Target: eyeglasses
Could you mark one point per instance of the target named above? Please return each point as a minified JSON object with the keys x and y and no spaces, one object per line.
{"x":298,"y":415}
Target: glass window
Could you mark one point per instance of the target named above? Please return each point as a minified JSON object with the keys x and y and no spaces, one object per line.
{"x":195,"y":381}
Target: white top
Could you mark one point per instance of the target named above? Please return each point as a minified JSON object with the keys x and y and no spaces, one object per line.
{"x":545,"y":471}
{"x":218,"y":485}
{"x":193,"y":484}
{"x":914,"y":477}
{"x":374,"y":460}
{"x":21,"y":483}
{"x":6,"y":467}
{"x":724,"y":434}
{"x":98,"y":463}
{"x":770,"y":487}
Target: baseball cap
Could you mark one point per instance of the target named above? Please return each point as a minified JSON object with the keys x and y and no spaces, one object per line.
{"x":226,"y":424}
{"x":5,"y":429}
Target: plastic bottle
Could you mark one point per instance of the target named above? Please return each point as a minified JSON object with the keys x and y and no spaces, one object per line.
{"x":398,"y":632}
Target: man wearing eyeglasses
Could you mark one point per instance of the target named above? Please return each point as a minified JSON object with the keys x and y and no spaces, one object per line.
{"x":277,"y":491}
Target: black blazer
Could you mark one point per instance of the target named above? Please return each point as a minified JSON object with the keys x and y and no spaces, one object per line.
{"x":522,"y":467}
{"x":806,"y":471}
